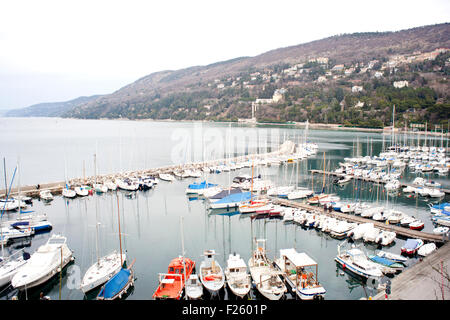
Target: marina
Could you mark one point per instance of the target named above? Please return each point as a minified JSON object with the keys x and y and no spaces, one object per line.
{"x":148,"y":204}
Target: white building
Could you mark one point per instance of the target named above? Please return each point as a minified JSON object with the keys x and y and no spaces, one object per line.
{"x":357,"y":88}
{"x":321,"y":79}
{"x":400,"y":84}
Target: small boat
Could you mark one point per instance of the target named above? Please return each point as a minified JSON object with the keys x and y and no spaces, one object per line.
{"x":426,"y":249}
{"x":82,"y":191}
{"x":411,"y":246}
{"x":101,"y":271}
{"x":68,"y":193}
{"x":9,"y":204}
{"x":406,"y":220}
{"x":357,"y":262}
{"x":194,"y":287}
{"x":359,"y":231}
{"x":416,"y":225}
{"x":397,"y":266}
{"x":233,"y":200}
{"x":371,"y":234}
{"x":127,"y":185}
{"x":299,"y":194}
{"x":199,"y":188}
{"x":45,"y":263}
{"x":385,"y":238}
{"x":252,"y":205}
{"x":111,"y":185}
{"x":238,"y":280}
{"x":36,"y":225}
{"x":11,"y":265}
{"x":46,"y":195}
{"x":118,"y":285}
{"x":441,"y":230}
{"x":392,"y":256}
{"x":166,"y":177}
{"x":300,"y":272}
{"x":100,"y":188}
{"x":211,"y":273}
{"x":265,"y":276}
{"x":171,"y":284}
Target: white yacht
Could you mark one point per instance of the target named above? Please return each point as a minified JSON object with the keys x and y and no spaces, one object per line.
{"x":43,"y":264}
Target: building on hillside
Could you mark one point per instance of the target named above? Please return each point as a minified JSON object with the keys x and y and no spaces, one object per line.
{"x":357,"y":88}
{"x":321,"y":79}
{"x":263,"y":101}
{"x":378,"y":74}
{"x":400,"y":84}
{"x":338,"y":68}
{"x":359,"y":104}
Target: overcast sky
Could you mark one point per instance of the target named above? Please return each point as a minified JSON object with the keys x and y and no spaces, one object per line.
{"x":59,"y":50}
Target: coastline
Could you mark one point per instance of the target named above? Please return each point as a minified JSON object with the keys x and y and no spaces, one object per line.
{"x":312,"y":126}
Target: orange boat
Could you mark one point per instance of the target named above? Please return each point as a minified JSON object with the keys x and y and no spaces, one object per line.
{"x":171,"y":284}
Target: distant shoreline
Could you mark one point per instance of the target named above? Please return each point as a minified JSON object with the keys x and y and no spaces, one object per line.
{"x":313,"y":126}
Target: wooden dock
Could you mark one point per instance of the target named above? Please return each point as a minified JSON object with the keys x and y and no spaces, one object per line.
{"x":400,"y":231}
{"x":378,"y":181}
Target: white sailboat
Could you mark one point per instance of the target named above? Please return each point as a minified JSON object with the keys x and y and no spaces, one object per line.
{"x":104,"y":268}
{"x":43,"y":264}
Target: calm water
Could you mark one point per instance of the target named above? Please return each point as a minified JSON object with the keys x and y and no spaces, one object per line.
{"x":47,"y":148}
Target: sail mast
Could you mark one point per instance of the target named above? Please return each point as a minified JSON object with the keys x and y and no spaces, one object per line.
{"x":120,"y":238}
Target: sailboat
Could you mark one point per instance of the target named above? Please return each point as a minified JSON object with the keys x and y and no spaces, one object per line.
{"x":104,"y":268}
{"x":66,"y":191}
{"x":45,"y":263}
{"x":119,"y":284}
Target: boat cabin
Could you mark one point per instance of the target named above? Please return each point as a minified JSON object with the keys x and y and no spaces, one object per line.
{"x":300,"y":268}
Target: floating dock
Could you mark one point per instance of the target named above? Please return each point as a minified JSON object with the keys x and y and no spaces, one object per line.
{"x":400,"y":231}
{"x":378,"y":181}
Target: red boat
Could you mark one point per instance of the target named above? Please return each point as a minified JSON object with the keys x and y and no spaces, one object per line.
{"x":171,"y":284}
{"x":416,"y":225}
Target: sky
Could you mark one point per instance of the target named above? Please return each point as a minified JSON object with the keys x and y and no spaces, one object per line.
{"x":53,"y":50}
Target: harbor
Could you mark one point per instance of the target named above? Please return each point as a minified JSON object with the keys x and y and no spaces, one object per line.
{"x":153,"y":216}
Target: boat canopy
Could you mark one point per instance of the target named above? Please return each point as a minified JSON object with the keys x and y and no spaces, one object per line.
{"x":115,"y":284}
{"x":298,"y":259}
{"x":237,"y":197}
{"x":225,"y":193}
{"x":201,"y":185}
{"x":411,"y":244}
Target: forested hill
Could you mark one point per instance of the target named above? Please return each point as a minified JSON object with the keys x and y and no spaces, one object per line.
{"x":353,"y":79}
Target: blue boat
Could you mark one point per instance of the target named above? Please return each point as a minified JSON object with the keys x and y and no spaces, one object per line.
{"x":36,"y":226}
{"x":231,"y":201}
{"x":199,"y":187}
{"x":118,"y":285}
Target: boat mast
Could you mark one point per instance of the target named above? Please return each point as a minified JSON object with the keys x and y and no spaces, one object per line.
{"x":120,"y":238}
{"x":182,"y":253}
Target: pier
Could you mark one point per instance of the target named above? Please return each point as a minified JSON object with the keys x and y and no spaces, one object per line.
{"x":378,"y":181}
{"x":400,"y":231}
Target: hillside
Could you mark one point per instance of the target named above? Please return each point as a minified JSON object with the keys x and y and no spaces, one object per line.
{"x":345,"y":79}
{"x":49,"y":109}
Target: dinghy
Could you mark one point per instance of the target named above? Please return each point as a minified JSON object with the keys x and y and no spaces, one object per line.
{"x":426,"y":249}
{"x":118,"y":285}
{"x":194,"y":287}
{"x":411,"y":246}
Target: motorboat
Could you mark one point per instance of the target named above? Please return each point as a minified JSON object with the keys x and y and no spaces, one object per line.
{"x":441,"y":230}
{"x":199,"y":188}
{"x":46,"y":195}
{"x":341,"y":229}
{"x":193,"y":287}
{"x":426,"y":249}
{"x":299,"y":193}
{"x":411,"y":246}
{"x":359,"y":231}
{"x":395,"y":216}
{"x":417,"y":225}
{"x":45,"y":263}
{"x":388,"y":264}
{"x":238,"y":280}
{"x":101,"y":271}
{"x":9,"y":266}
{"x":82,"y":191}
{"x":172,"y":283}
{"x":406,"y":220}
{"x":166,"y":177}
{"x":357,"y":262}
{"x":392,"y":256}
{"x":300,"y":272}
{"x":211,"y":273}
{"x":68,"y":193}
{"x":127,"y":185}
{"x":265,"y":276}
{"x":385,"y":238}
{"x":111,"y":185}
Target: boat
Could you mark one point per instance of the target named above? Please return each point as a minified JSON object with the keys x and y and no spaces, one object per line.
{"x":441,"y":230}
{"x":127,"y":185}
{"x":68,"y":193}
{"x":111,"y":185}
{"x":199,"y":188}
{"x":357,"y":262}
{"x":359,"y":231}
{"x":388,"y":263}
{"x":265,"y":276}
{"x":411,"y":246}
{"x":166,"y":177}
{"x":392,"y":256}
{"x":417,"y":225}
{"x":82,"y":191}
{"x":46,"y":195}
{"x":211,"y":273}
{"x":10,"y":265}
{"x":233,"y":200}
{"x":45,"y":263}
{"x":238,"y":280}
{"x":102,"y":271}
{"x":118,"y":285}
{"x":300,"y":272}
{"x":385,"y":238}
{"x":299,"y":194}
{"x":100,"y":188}
{"x":371,"y":234}
{"x":36,"y":225}
{"x":172,"y":283}
{"x":426,"y":249}
{"x":9,"y":204}
{"x":194,"y":287}
{"x":252,"y":205}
